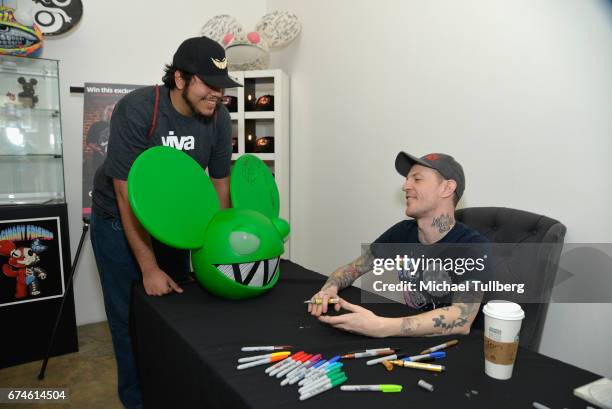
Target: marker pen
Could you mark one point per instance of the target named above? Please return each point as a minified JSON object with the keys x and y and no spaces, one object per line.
{"x":290,"y":367}
{"x":432,"y":355}
{"x":419,"y":365}
{"x":259,"y":357}
{"x":320,"y":374}
{"x":281,"y":364}
{"x":266,"y":348}
{"x":372,"y":388}
{"x":261,"y":362}
{"x":324,"y":388}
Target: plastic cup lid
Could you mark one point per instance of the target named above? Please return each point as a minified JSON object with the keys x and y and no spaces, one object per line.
{"x":504,"y":310}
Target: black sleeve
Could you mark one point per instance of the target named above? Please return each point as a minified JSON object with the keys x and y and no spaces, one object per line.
{"x":221,"y":156}
{"x":129,"y":126}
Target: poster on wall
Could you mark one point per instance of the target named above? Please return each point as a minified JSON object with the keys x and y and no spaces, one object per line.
{"x":98,"y":105}
{"x":31,"y":260}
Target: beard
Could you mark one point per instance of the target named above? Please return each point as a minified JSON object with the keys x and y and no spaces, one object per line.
{"x":192,"y":106}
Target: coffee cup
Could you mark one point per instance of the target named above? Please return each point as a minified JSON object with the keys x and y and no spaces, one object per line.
{"x":502,"y":325}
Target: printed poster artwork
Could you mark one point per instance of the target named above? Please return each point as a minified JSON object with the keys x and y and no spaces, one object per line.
{"x":98,"y":105}
{"x":31,"y":260}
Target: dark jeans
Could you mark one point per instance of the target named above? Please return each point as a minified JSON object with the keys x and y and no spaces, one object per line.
{"x":118,"y":270}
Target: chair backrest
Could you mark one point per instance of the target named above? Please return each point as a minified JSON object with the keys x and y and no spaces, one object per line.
{"x":504,"y":225}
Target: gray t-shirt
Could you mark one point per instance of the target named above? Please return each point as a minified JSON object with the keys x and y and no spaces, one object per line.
{"x":207,"y":140}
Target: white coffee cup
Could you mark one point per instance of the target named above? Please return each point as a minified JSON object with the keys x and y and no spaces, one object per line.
{"x":502,"y":324}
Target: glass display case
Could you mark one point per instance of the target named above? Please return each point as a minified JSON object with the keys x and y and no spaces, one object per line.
{"x":31,"y":160}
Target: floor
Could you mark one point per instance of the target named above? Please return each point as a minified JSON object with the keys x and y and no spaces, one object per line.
{"x":89,"y":375}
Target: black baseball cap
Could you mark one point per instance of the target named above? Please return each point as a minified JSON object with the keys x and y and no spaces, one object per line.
{"x":206,"y":59}
{"x":445,"y":164}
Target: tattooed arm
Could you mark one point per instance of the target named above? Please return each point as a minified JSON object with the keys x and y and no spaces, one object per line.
{"x":455,"y":319}
{"x":346,"y":275}
{"x":340,"y":279}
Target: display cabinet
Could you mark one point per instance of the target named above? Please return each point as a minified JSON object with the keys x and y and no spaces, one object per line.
{"x":34,"y":239}
{"x":31,"y":160}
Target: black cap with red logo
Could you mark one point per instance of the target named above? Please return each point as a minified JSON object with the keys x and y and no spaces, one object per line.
{"x":445,"y":164}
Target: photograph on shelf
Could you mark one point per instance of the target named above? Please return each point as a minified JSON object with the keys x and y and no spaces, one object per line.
{"x":99,"y":102}
{"x":31,"y":260}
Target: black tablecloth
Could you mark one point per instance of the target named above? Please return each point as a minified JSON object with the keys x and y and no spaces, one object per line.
{"x":187,"y":346}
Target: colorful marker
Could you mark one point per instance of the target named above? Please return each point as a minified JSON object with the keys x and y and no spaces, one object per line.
{"x":372,"y":388}
{"x":321,"y":382}
{"x":368,"y":354}
{"x":439,"y":347}
{"x":266,"y":348}
{"x":303,"y":372}
{"x":324,"y":388}
{"x":307,"y":364}
{"x":291,"y":367}
{"x":318,"y":378}
{"x":381,"y":359}
{"x":419,"y":365}
{"x":320,"y":374}
{"x":259,"y":357}
{"x":264,"y":361}
{"x":319,"y":301}
{"x":292,"y":358}
{"x":433,"y":355}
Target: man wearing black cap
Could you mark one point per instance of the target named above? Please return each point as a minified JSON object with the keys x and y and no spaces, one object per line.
{"x":185,"y":113}
{"x":434,"y":184}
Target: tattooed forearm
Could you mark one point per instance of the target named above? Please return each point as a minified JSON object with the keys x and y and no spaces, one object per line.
{"x":444,"y":222}
{"x":447,"y":327}
{"x":346,"y":275}
{"x":409,"y":326}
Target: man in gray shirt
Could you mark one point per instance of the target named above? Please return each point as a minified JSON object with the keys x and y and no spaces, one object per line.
{"x":185,"y":113}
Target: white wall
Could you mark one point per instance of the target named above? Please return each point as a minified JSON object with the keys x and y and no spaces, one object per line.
{"x":519,"y":92}
{"x":120,"y":42}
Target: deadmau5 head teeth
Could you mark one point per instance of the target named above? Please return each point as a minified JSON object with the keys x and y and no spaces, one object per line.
{"x":255,"y":274}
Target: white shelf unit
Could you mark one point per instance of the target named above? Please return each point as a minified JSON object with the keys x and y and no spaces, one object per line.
{"x":258,"y":124}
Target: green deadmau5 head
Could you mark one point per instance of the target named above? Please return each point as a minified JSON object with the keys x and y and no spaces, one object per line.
{"x":235,"y":252}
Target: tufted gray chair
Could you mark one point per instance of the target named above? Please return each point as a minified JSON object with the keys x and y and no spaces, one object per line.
{"x":511,"y":226}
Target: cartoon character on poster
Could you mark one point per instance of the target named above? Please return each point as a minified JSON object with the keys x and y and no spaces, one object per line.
{"x":30,"y":260}
{"x":22,"y":266}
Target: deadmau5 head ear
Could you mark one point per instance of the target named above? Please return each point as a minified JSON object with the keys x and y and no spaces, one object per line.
{"x":252,"y":186}
{"x":279,"y":28}
{"x":223,"y":29}
{"x":172,"y":196}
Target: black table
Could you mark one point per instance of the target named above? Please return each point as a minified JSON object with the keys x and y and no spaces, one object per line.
{"x":187,"y":346}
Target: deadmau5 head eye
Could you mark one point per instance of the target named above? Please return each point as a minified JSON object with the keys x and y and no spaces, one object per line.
{"x":235,"y":252}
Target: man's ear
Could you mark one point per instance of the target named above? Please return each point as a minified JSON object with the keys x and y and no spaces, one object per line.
{"x":179,"y":80}
{"x":449,"y":188}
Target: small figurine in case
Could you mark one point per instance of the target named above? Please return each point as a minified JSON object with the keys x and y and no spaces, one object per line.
{"x":27,"y":97}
